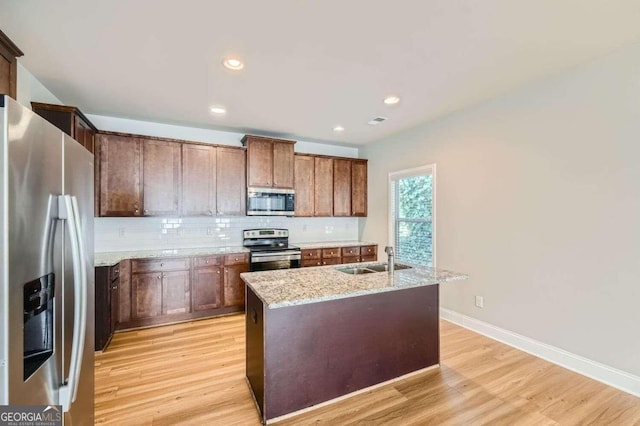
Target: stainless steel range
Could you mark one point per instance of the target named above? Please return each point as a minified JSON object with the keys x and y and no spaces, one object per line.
{"x":270,"y":249}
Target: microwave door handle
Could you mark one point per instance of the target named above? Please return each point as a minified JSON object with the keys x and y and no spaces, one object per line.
{"x":69,"y":211}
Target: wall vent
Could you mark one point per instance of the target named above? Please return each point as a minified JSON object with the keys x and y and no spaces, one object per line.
{"x":377,"y":120}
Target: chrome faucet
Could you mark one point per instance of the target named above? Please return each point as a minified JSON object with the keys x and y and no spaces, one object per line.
{"x":391,"y":264}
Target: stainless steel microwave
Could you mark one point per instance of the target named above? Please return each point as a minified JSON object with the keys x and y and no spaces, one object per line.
{"x":270,"y":202}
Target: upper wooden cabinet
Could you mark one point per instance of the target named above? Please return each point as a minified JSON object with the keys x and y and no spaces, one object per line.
{"x":304,"y":171}
{"x":358,"y":187}
{"x":330,"y":186}
{"x":198,"y":180}
{"x":270,"y":162}
{"x":323,"y":191}
{"x":161,"y":176}
{"x":149,"y":176}
{"x":120,"y":175}
{"x":231,"y":184}
{"x":341,"y":187}
{"x":70,"y":120}
{"x":9,"y":53}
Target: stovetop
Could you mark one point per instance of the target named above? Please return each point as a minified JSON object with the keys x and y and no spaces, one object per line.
{"x":276,"y":248}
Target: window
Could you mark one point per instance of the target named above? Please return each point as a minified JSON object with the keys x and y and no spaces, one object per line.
{"x":412,"y":215}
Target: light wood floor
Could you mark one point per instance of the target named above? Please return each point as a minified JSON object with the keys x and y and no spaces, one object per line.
{"x":193,"y":373}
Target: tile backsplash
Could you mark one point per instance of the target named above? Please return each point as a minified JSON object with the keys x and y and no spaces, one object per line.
{"x":148,"y":233}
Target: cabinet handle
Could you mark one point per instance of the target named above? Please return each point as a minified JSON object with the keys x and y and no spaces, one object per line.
{"x":235,"y":259}
{"x":206,"y":261}
{"x":159,"y":277}
{"x":324,"y":263}
{"x":218,"y":272}
{"x":136,"y":211}
{"x":162,"y":264}
{"x":164,"y":275}
{"x":115,"y":287}
{"x":146,"y":211}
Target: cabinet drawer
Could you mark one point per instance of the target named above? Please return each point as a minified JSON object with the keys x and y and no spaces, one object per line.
{"x":368,"y":258}
{"x":115,"y":272}
{"x":235,"y":259}
{"x":149,"y":265}
{"x":350,"y":251}
{"x":351,"y":259}
{"x":311,"y":254}
{"x":330,"y":252}
{"x":368,"y":250}
{"x":331,"y":261}
{"x":311,"y":262}
{"x":201,"y":262}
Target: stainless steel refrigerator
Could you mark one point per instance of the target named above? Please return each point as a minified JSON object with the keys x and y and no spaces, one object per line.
{"x":46,"y":274}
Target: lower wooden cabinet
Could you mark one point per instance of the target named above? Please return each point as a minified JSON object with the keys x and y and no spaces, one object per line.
{"x":233,"y":285}
{"x":206,"y":288}
{"x":165,"y":290}
{"x":107,"y":282}
{"x":175,"y":293}
{"x":146,"y":295}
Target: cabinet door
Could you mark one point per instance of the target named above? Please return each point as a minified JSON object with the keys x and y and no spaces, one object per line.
{"x":102,"y":307}
{"x":303,"y":175}
{"x":198,"y":180}
{"x":120,"y":169}
{"x":283,"y":159}
{"x":146,"y":292}
{"x":231,"y":181}
{"x":83,"y":133}
{"x":206,"y":287}
{"x":175,"y":292}
{"x":233,"y":284}
{"x":161,"y":176}
{"x":341,"y":187}
{"x":115,"y":284}
{"x":259,"y":162}
{"x":358,"y":188}
{"x":323,"y":186}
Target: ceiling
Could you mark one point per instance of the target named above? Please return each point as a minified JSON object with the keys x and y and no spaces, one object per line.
{"x":309,"y":65}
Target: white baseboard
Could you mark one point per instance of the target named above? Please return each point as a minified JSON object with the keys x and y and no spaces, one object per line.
{"x":603,"y":373}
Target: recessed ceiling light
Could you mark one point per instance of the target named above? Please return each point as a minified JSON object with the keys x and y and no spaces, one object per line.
{"x":218,"y":110}
{"x":338,"y":129}
{"x":391,"y":100}
{"x":234,"y":64}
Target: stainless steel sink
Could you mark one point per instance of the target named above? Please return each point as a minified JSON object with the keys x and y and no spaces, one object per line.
{"x":356,"y":271}
{"x":383,"y":267}
{"x":370,"y":269}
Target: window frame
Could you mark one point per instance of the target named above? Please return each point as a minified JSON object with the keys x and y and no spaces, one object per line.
{"x":429,"y":169}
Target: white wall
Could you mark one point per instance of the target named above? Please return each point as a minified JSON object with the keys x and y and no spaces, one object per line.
{"x":538,"y":199}
{"x":204,"y":135}
{"x":31,"y":89}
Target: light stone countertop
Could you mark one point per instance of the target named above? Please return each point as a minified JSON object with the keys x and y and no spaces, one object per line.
{"x":288,"y":287}
{"x":111,"y":258}
{"x":330,"y":244}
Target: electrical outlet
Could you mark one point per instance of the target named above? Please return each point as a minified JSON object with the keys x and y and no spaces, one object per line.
{"x":479,"y":302}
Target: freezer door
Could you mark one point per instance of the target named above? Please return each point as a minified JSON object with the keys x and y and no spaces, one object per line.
{"x":78,"y":183}
{"x":31,"y":181}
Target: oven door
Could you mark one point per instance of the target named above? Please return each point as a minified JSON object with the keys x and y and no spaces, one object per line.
{"x":270,"y":260}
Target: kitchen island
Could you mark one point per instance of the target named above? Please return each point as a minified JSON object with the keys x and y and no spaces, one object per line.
{"x":316,"y":334}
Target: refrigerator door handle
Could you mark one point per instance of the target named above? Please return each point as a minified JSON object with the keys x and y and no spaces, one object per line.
{"x":68,"y":206}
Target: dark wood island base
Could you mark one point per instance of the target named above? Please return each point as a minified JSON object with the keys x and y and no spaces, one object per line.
{"x":302,"y":355}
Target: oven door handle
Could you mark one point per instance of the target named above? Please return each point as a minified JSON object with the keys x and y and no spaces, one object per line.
{"x":275,"y":257}
{"x":256,"y":254}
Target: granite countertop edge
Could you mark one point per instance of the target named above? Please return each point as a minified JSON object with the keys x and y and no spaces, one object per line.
{"x":111,"y":258}
{"x":272,"y":286}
